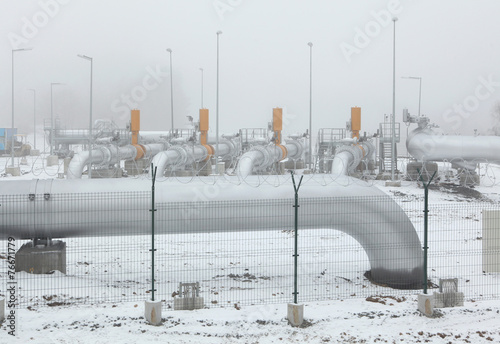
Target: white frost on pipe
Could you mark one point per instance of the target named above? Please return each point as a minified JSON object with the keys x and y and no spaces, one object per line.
{"x":258,"y":158}
{"x":427,"y":145}
{"x":179,"y":156}
{"x":108,"y":155}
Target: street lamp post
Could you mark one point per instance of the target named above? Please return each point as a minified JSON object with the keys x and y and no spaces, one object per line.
{"x":171,"y":96}
{"x":201,"y":69}
{"x":12,"y":133}
{"x":217,"y":101}
{"x":90,"y":117}
{"x":34,"y":117}
{"x":393,"y":143}
{"x":310,"y":106}
{"x":52,"y":116}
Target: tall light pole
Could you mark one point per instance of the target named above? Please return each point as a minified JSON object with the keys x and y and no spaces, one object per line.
{"x":393,"y":143}
{"x":12,"y":133}
{"x":217,"y":101}
{"x":201,"y":69}
{"x":310,"y":105}
{"x":171,"y":96}
{"x":52,"y":115}
{"x":90,"y":117}
{"x":34,"y":116}
{"x":419,"y":89}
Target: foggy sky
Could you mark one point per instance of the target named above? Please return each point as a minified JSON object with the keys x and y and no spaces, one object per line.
{"x":264,"y":61}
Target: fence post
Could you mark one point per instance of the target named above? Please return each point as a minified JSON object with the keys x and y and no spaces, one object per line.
{"x":152,"y":308}
{"x":295,"y":311}
{"x":426,"y":213}
{"x":153,"y":210}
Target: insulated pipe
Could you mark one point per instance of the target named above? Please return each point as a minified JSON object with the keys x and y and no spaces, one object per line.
{"x":110,"y":155}
{"x":54,"y":209}
{"x":424,"y":144}
{"x":259,"y":157}
{"x":179,"y":156}
{"x":227,"y":149}
{"x":348,"y":157}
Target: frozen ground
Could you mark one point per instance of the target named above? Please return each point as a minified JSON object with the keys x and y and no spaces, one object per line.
{"x":382,"y":317}
{"x":376,"y":320}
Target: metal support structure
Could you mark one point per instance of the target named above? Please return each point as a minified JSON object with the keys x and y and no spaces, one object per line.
{"x":296,"y":206}
{"x":90,"y":116}
{"x":52,"y":133}
{"x":217,"y":99}
{"x":201,"y":69}
{"x":171,"y":96}
{"x":393,"y":142}
{"x":152,"y":210}
{"x":12,"y":133}
{"x":34,"y":117}
{"x":310,"y":105}
{"x":426,"y":214}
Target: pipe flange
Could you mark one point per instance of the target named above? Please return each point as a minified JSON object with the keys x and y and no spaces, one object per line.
{"x":265,"y":153}
{"x":355,"y":153}
{"x":183,"y":156}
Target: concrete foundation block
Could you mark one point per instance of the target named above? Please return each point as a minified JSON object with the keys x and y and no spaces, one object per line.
{"x":107,"y":173}
{"x":52,"y":160}
{"x":2,"y":309}
{"x":426,"y":304}
{"x":395,"y":183}
{"x":35,"y":152}
{"x":42,"y":259}
{"x":220,"y":168}
{"x":188,"y":303}
{"x":469,"y":179}
{"x":67,"y":161}
{"x":295,"y":314}
{"x":426,"y":169}
{"x":444,"y":300}
{"x":152,"y":312}
{"x":14,"y":171}
{"x":136,"y":167}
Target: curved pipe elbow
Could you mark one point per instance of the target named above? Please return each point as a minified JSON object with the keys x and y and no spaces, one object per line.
{"x":77,"y":164}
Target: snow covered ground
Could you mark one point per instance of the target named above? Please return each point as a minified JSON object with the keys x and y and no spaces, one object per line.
{"x":378,"y":316}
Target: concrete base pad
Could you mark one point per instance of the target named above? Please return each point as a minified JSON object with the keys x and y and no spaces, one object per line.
{"x":35,"y":152}
{"x":426,"y":304}
{"x":152,"y":312}
{"x":295,"y":314}
{"x":136,"y":167}
{"x":395,"y":183}
{"x":13,"y":171}
{"x":107,"y":173}
{"x":42,"y":259}
{"x":188,"y":303}
{"x":52,"y":160}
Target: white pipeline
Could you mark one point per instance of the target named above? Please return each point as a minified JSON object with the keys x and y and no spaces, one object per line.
{"x":109,"y":155}
{"x":67,"y":208}
{"x":424,"y":144}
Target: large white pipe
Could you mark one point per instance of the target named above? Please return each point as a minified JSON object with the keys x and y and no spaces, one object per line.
{"x":258,"y":157}
{"x":76,"y":208}
{"x":424,"y":144}
{"x":109,"y":155}
{"x":348,"y":157}
{"x":178,"y":156}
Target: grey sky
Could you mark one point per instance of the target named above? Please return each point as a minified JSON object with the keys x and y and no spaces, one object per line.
{"x":264,"y":60}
